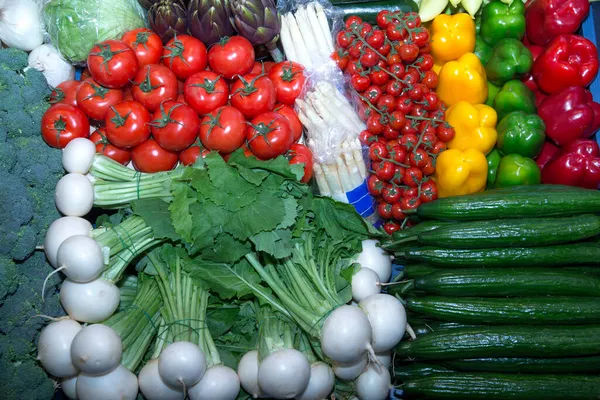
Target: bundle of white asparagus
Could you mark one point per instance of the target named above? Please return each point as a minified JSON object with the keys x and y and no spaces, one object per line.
{"x":332,"y":128}
{"x":306,"y":36}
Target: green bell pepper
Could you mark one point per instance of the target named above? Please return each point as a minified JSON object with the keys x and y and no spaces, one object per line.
{"x":521,"y":133}
{"x":514,"y":96}
{"x":516,"y":170}
{"x":500,"y":20}
{"x":493,"y":91}
{"x":493,"y":160}
{"x":483,"y":51}
{"x":510,"y":60}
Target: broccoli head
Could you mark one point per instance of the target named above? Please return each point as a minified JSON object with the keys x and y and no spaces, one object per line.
{"x":30,"y":170}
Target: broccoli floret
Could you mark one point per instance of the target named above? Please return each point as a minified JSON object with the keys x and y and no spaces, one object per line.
{"x":30,"y":170}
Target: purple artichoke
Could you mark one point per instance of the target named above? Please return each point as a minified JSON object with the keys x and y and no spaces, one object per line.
{"x":168,"y":18}
{"x":209,"y":20}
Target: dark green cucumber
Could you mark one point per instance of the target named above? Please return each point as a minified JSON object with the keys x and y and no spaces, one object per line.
{"x":399,"y":237}
{"x":417,"y":370}
{"x":543,"y":310}
{"x":525,"y":232}
{"x":595,"y":271}
{"x":368,"y":10}
{"x":423,"y":328}
{"x":528,"y":202}
{"x":495,"y":282}
{"x":562,"y":254}
{"x":565,"y":365}
{"x":488,"y":386}
{"x":503,"y":341}
{"x":414,"y":271}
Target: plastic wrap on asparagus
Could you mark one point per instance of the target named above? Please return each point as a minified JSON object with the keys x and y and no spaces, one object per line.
{"x":332,"y":125}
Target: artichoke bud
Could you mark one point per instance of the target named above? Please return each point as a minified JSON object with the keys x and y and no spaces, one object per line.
{"x":168,"y":18}
{"x":256,"y":20}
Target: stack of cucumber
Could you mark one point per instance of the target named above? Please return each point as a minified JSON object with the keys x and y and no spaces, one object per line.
{"x":502,"y":290}
{"x":367,"y":10}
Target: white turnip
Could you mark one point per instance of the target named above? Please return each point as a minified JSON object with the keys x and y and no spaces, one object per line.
{"x":374,"y":383}
{"x":120,"y":383}
{"x":152,"y":385}
{"x":350,"y":371}
{"x":385,"y":358}
{"x":61,"y":229}
{"x":284,"y":374}
{"x":365,"y":283}
{"x":78,"y":155}
{"x":96,"y":350}
{"x":54,"y":348}
{"x":74,"y":195}
{"x":218,"y":383}
{"x":346,"y":334}
{"x":377,"y":259}
{"x":81,"y":258}
{"x":92,"y":301}
{"x":320,"y":384}
{"x":248,"y":373}
{"x":182,"y":364}
{"x":69,"y":387}
{"x":387,"y":318}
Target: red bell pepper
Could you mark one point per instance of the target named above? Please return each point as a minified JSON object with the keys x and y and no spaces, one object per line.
{"x":577,"y":164}
{"x":535,"y":52}
{"x":539,"y":97}
{"x":569,"y":115}
{"x":548,"y":152}
{"x":568,"y":60}
{"x":547,"y":19}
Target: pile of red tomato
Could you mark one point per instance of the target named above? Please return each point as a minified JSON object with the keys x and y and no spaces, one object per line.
{"x":391,"y":76}
{"x":157,"y":106}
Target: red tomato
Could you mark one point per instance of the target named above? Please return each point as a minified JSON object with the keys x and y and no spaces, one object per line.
{"x":95,"y":100}
{"x":147,"y":46}
{"x":206,"y":91}
{"x":300,"y":154}
{"x":65,"y":93}
{"x":289,"y":113}
{"x":253,"y":95}
{"x":223,"y":130}
{"x":112,"y":63}
{"x":127,"y":124}
{"x":429,"y":191}
{"x":175,"y":126}
{"x":262,"y":67}
{"x":127,"y":94}
{"x":150,"y":157}
{"x":375,"y":185}
{"x":231,"y":56}
{"x":384,"y":210}
{"x":390,"y":227}
{"x":269,"y":135}
{"x":191,"y":154}
{"x":391,"y":194}
{"x":413,"y":177}
{"x":288,"y":78}
{"x":62,"y":123}
{"x":185,"y":55}
{"x":104,"y":147}
{"x":154,"y":84}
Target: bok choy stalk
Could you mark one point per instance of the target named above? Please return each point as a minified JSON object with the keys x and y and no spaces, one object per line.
{"x":137,"y":324}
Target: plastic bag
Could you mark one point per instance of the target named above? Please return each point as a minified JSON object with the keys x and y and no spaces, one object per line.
{"x":75,"y":26}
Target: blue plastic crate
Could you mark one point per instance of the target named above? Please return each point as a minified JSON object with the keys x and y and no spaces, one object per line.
{"x":591,"y":30}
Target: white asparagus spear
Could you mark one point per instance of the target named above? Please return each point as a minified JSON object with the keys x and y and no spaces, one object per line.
{"x":337,"y":114}
{"x":286,"y":40}
{"x":301,"y":50}
{"x":315,"y":25}
{"x":351,"y":164}
{"x":307,"y":34}
{"x":344,"y":174}
{"x":324,"y":25}
{"x":321,"y":181}
{"x":333,"y":179}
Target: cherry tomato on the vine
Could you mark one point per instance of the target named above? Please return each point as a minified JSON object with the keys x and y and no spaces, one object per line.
{"x":384,"y":210}
{"x":375,"y":185}
{"x":429,"y":191}
{"x":413,"y":177}
{"x":391,"y":227}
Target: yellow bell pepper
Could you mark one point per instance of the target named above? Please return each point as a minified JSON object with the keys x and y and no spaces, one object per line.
{"x":474,"y":126}
{"x":463,"y":79}
{"x":459,"y":172}
{"x":452,"y":36}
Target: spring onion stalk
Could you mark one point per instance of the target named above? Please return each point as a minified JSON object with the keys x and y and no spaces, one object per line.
{"x":137,"y":324}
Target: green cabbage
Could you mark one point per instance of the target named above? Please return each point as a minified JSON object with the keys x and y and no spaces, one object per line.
{"x":74,"y":26}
